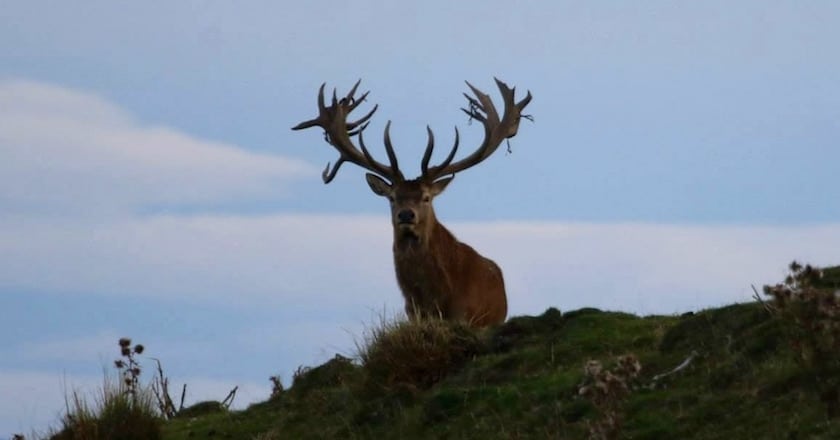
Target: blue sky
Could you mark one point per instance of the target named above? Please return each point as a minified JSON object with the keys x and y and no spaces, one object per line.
{"x":150,"y":185}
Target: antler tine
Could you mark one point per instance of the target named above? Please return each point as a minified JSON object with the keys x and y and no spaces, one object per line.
{"x":355,"y":132}
{"x":352,"y":91}
{"x":321,"y":106}
{"x":365,"y":151}
{"x":521,"y":104}
{"x":486,"y":105}
{"x":328,"y":175}
{"x":427,"y":155}
{"x":496,"y":129}
{"x":362,"y":120}
{"x":355,"y":102}
{"x":335,"y":98}
{"x":333,"y":119}
{"x":509,"y":92}
{"x":508,"y":95}
{"x":392,"y":157}
{"x":454,"y":150}
{"x":322,"y":110}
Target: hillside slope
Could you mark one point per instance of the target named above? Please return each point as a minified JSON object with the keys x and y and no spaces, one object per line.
{"x":742,"y":380}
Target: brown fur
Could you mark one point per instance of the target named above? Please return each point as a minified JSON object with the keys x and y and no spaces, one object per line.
{"x":439,"y":275}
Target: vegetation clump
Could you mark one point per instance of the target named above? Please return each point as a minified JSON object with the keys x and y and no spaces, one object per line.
{"x":418,"y":353}
{"x":333,"y":373}
{"x":607,"y":389}
{"x":122,"y":411}
{"x":809,"y":307}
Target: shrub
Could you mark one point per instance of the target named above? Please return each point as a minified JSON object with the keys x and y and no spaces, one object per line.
{"x":810,"y":310}
{"x":418,"y":353}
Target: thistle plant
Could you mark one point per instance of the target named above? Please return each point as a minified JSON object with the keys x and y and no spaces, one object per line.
{"x":129,"y":368}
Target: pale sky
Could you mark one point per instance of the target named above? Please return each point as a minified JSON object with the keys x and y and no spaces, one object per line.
{"x":151,"y":187}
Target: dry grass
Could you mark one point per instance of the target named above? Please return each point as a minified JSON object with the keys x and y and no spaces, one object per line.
{"x":416,"y":354}
{"x":114,"y":414}
{"x":123,"y":409}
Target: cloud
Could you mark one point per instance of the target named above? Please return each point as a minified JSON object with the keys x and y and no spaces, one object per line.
{"x":332,"y":261}
{"x":645,"y":268}
{"x":80,"y":349}
{"x":206,"y":258}
{"x":71,"y":152}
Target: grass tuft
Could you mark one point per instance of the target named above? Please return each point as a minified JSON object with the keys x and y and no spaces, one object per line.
{"x":123,"y":410}
{"x":418,"y":353}
{"x":114,"y":414}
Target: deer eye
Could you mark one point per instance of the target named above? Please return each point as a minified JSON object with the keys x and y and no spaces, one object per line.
{"x":427,"y":199}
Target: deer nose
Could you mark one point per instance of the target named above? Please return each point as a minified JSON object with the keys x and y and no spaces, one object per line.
{"x":406,"y":216}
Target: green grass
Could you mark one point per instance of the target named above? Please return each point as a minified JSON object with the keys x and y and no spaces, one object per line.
{"x":521,"y":380}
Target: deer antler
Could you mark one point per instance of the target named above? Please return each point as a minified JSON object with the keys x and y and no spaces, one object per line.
{"x":496,"y":130}
{"x":337,"y":132}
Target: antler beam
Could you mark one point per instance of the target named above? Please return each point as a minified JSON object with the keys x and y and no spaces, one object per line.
{"x":338,"y":133}
{"x":496,"y":130}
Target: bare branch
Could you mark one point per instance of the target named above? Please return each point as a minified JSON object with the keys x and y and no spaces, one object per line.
{"x":679,"y":367}
{"x":229,"y":399}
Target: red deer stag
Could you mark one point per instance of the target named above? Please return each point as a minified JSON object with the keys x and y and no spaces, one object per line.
{"x":438,"y":275}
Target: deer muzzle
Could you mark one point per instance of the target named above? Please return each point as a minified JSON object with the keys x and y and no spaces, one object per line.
{"x":406,"y":217}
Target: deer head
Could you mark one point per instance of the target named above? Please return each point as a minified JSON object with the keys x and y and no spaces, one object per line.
{"x":412,"y":213}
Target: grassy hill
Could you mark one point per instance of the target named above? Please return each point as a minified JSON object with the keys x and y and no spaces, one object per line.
{"x":523,"y":380}
{"x":739,"y":371}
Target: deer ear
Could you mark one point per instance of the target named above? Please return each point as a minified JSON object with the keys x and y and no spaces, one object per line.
{"x":439,"y":185}
{"x":378,"y":185}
